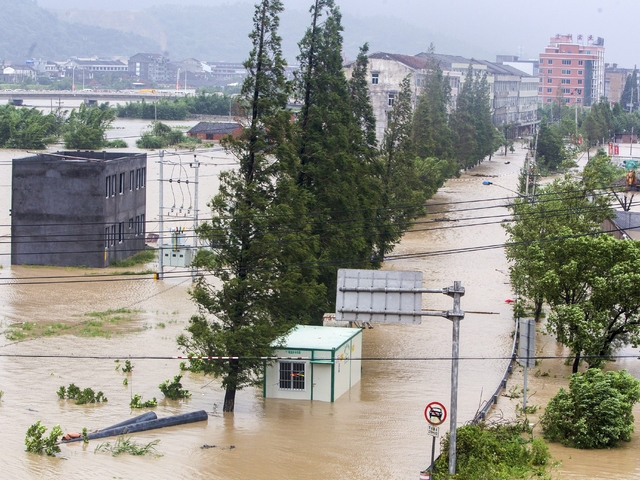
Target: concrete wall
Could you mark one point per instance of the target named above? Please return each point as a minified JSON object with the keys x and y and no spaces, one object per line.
{"x":59,"y":209}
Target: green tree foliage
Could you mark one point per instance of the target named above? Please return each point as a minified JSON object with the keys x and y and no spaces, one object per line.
{"x":266,"y":268}
{"x":35,"y":442}
{"x":336,"y":159}
{"x":86,"y":127}
{"x":402,"y":196}
{"x":27,"y":128}
{"x":630,"y":95}
{"x":359,"y":93}
{"x":497,"y":452}
{"x":173,"y":389}
{"x":177,"y":108}
{"x":599,"y":123}
{"x":600,"y":173}
{"x":160,"y":135}
{"x":550,"y":152}
{"x":463,"y":125}
{"x":596,"y":412}
{"x":560,"y":209}
{"x":593,"y":287}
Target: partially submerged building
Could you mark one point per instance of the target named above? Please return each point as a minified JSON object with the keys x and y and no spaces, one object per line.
{"x":78,"y":208}
{"x":329,"y":364}
{"x":214,"y":130}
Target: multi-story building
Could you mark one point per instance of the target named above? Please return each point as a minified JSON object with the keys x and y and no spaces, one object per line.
{"x":515,"y":102}
{"x":572,"y":72}
{"x":386,"y":72}
{"x":77,"y":208}
{"x":151,"y":67}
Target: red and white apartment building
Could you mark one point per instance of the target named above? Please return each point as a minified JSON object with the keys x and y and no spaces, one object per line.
{"x":573,"y":71}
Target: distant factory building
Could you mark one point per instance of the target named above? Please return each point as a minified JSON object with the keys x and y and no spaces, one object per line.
{"x":331,"y":364}
{"x":78,"y":208}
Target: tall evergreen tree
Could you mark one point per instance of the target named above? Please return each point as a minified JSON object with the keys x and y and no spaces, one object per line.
{"x":336,"y":165}
{"x":432,"y":134}
{"x":463,"y":124}
{"x":268,"y":283}
{"x":481,"y":110}
{"x":630,"y":94}
{"x":402,"y":195}
{"x":361,"y":104}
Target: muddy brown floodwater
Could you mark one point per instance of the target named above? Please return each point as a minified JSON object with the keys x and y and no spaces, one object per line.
{"x":376,"y":431}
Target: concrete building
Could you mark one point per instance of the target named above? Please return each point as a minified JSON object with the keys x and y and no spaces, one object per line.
{"x":615,"y":78}
{"x":515,"y":103}
{"x":327,"y":370}
{"x":77,"y":208}
{"x":151,"y":67}
{"x":573,"y":72}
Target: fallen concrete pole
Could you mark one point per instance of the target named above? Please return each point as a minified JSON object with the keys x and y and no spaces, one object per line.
{"x":191,"y":417}
{"x":140,"y":418}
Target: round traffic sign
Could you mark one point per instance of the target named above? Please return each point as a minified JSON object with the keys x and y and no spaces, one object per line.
{"x":435,"y":413}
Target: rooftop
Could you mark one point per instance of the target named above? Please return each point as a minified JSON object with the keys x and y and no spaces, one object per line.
{"x":307,"y":337}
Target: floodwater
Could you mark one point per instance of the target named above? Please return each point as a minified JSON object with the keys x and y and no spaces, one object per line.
{"x":375,"y":431}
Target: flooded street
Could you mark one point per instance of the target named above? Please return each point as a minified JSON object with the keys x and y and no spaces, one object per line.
{"x":376,"y":431}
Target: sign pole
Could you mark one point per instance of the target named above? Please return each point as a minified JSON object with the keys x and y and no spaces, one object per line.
{"x":433,"y":452}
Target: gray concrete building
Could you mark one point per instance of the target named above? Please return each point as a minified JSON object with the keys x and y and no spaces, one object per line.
{"x":78,"y":208}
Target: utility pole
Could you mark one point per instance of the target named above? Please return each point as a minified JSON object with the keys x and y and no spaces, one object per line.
{"x":160,"y":220}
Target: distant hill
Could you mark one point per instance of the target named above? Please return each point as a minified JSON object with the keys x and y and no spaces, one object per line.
{"x":26,"y":30}
{"x":219,"y":33}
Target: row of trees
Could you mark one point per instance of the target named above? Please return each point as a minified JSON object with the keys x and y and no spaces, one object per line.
{"x":83,"y":128}
{"x":177,"y":109}
{"x":560,"y":257}
{"x":313,"y":192}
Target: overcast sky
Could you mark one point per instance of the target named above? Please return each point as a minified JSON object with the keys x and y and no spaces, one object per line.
{"x":500,"y":26}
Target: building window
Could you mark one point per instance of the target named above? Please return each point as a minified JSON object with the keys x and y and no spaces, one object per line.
{"x":137,"y":178}
{"x":580,"y":62}
{"x":106,"y":237}
{"x":579,"y":90}
{"x":392,"y":97}
{"x":540,"y":79}
{"x":130,"y":223}
{"x":578,"y":100}
{"x":137,"y":231}
{"x":567,"y":100}
{"x":566,"y":62}
{"x":113,"y":235}
{"x":566,"y":81}
{"x":549,"y":90}
{"x":579,"y":72}
{"x":131,"y":180}
{"x":121,"y":184}
{"x":539,"y":89}
{"x":143,"y":177}
{"x":566,"y":90}
{"x":549,"y":100}
{"x":566,"y":72}
{"x":142,"y":225}
{"x":550,"y":71}
{"x":550,"y":62}
{"x":374,"y":78}
{"x":120,"y":232}
{"x":108,"y":185}
{"x":579,"y":82}
{"x":113,"y":185}
{"x":549,"y":80}
{"x":208,"y":136}
{"x":291,"y":375}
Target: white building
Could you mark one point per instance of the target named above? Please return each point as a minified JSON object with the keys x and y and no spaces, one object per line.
{"x":326,"y":371}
